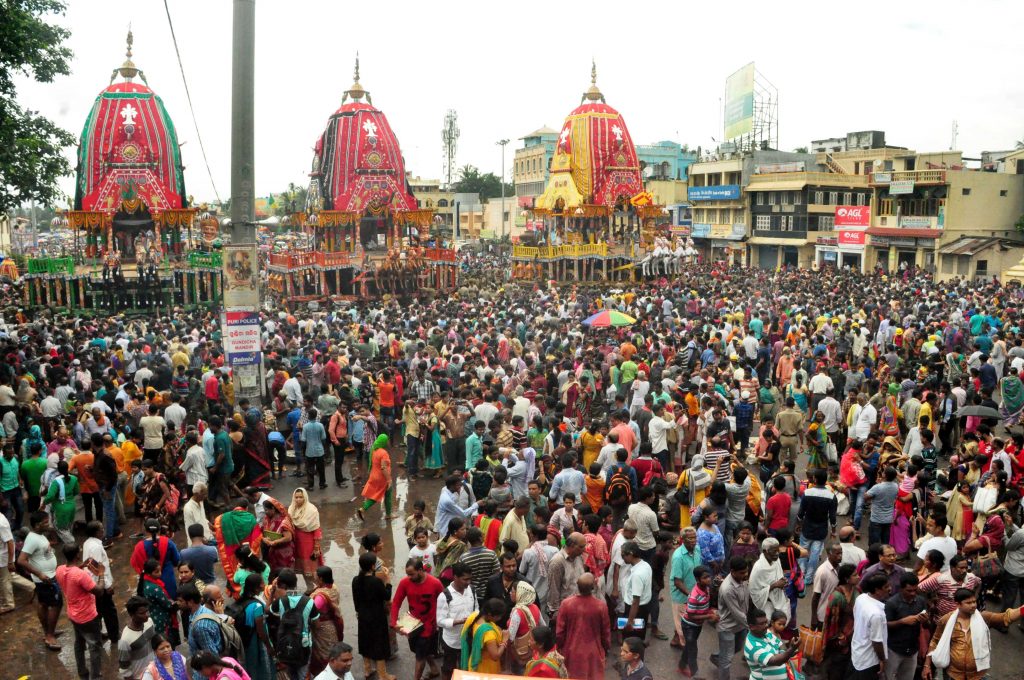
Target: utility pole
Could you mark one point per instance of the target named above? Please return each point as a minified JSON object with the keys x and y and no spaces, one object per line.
{"x":502,"y":143}
{"x":240,"y":289}
{"x":243,"y":66}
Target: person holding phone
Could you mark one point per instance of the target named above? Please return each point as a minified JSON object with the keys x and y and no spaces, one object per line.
{"x":637,"y":590}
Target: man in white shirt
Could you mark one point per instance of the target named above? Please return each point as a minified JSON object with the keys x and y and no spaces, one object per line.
{"x":92,"y":549}
{"x":6,"y":396}
{"x":637,"y":590}
{"x":819,"y":386}
{"x":866,"y":419}
{"x":454,"y":606}
{"x":606,"y":458}
{"x":6,"y":566}
{"x":152,"y":426}
{"x":833,"y":411}
{"x":142,"y":375}
{"x":521,"y":405}
{"x":175,"y":414}
{"x":194,"y":465}
{"x":293,"y":390}
{"x":825,"y":582}
{"x":339,"y":663}
{"x":195,"y":512}
{"x":485,"y":412}
{"x":937,"y":539}
{"x":51,"y":406}
{"x":852,"y":553}
{"x":870,"y":641}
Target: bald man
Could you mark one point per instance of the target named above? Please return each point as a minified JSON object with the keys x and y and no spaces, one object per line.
{"x":582,"y":631}
{"x":564,"y":571}
{"x":852,"y":554}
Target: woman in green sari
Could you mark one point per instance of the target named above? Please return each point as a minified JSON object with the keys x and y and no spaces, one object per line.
{"x":60,"y":496}
{"x":152,"y":587}
{"x":1012,"y":407}
{"x":450,"y":549}
{"x":483,"y":646}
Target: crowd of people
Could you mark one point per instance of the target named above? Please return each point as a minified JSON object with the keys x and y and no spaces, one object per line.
{"x":597,"y":491}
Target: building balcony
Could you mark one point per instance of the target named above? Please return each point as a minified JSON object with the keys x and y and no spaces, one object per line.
{"x":764,"y":182}
{"x":794,"y":235}
{"x":907,"y":221}
{"x":915,"y":176}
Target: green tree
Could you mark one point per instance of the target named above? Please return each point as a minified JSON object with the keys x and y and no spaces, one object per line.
{"x":31,"y":146}
{"x":800,"y":149}
{"x":290,"y":201}
{"x":488,"y":185}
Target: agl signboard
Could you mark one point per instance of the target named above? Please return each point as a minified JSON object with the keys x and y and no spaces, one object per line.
{"x":853,"y":216}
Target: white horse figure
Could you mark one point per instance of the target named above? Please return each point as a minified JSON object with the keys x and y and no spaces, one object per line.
{"x":678,"y":257}
{"x":645,"y":264}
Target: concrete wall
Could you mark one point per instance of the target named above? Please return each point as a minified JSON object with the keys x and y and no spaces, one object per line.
{"x":667,"y":192}
{"x":985,"y":211}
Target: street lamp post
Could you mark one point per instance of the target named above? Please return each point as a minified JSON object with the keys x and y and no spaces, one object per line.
{"x":502,"y":143}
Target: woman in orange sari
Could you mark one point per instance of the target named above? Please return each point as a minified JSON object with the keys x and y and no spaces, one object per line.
{"x":378,"y":484}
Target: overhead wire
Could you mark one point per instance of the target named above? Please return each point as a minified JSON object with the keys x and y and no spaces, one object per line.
{"x":188,"y":96}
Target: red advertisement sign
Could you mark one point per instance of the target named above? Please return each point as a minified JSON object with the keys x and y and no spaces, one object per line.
{"x":853,"y":216}
{"x":851,"y":237}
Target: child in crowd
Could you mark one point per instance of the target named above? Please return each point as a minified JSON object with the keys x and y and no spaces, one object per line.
{"x":416,"y":521}
{"x":566,"y":519}
{"x":593,"y":497}
{"x":423,"y":548}
{"x":501,"y":492}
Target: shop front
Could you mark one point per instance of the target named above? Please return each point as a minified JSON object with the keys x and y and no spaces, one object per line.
{"x":700,"y":232}
{"x":850,"y":244}
{"x":727,"y":243}
{"x":826,"y":253}
{"x":898,"y":253}
{"x":772,"y":252}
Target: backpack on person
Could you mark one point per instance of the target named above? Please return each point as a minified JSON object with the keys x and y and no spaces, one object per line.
{"x":231,"y":641}
{"x":619,"y":487}
{"x":291,"y":633}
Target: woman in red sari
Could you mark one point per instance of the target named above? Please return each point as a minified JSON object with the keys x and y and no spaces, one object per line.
{"x":278,"y":535}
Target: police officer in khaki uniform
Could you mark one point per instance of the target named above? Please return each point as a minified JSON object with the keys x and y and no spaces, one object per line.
{"x":790,"y":424}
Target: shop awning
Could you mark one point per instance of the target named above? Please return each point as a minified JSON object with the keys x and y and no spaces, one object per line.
{"x":901,"y":232}
{"x":970,"y":245}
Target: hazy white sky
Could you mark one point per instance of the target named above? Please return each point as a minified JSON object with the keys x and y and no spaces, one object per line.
{"x":907,"y":67}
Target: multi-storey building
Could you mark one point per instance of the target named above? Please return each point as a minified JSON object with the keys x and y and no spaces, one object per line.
{"x":933,"y":211}
{"x":532,"y":164}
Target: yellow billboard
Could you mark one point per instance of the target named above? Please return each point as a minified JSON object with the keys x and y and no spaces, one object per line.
{"x":739,"y":102}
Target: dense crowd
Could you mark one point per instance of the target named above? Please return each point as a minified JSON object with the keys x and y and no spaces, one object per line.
{"x":690,"y":475}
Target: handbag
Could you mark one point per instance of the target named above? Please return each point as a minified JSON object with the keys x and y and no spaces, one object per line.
{"x":812,"y":644}
{"x":988,"y":567}
{"x":522,"y":647}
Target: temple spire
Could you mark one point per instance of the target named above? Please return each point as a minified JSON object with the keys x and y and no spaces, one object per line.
{"x":128,"y":70}
{"x":593,"y":93}
{"x":356,"y":92}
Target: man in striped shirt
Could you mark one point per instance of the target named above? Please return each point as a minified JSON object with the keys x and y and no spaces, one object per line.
{"x":766,"y":661}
